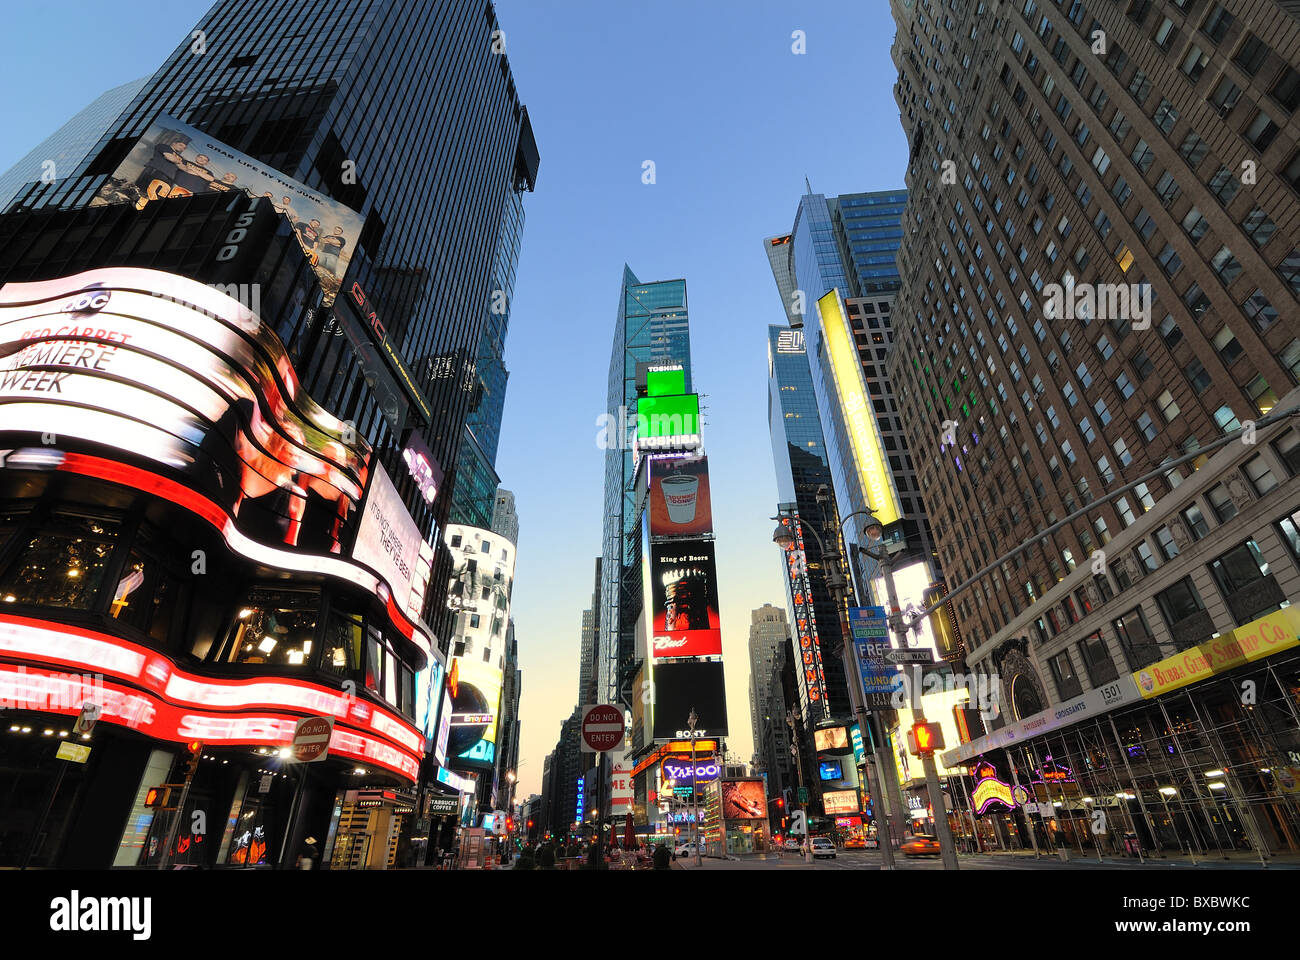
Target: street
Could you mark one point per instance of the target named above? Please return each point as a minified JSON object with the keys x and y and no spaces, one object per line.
{"x":870,"y":860}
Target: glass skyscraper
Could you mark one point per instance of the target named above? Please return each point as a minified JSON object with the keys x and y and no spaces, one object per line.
{"x":652,"y":326}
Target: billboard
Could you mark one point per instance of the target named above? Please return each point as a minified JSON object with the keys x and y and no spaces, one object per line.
{"x":173,"y":159}
{"x":684,"y":600}
{"x":840,"y":801}
{"x":176,"y":377}
{"x":832,"y":738}
{"x":388,"y":541}
{"x":809,"y":668}
{"x":744,"y":800}
{"x":859,"y":418}
{"x":680,"y":504}
{"x":668,"y":416}
{"x":621,"y":791}
{"x":679,"y":687}
{"x":912,"y":582}
{"x":475,"y":705}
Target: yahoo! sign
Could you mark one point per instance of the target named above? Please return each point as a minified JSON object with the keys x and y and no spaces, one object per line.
{"x":704,"y":771}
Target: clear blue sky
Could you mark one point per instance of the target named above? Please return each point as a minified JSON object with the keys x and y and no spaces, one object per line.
{"x":734,"y":121}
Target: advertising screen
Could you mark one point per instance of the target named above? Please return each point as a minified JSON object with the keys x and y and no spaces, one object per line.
{"x":175,"y":375}
{"x":475,"y":701}
{"x":668,"y":416}
{"x":679,"y":687}
{"x":666,"y":380}
{"x":809,"y":669}
{"x":912,"y":582}
{"x":173,"y":159}
{"x":388,"y":541}
{"x":684,"y":594}
{"x":840,"y":801}
{"x":833,"y":738}
{"x":830,"y":770}
{"x":680,"y":505}
{"x":744,"y":800}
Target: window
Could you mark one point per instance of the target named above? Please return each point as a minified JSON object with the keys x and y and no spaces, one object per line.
{"x":1287,"y":89}
{"x":1243,"y":577}
{"x":1170,"y":333}
{"x":1096,"y":658}
{"x":1103,"y":587}
{"x":1262,"y":313}
{"x":1287,"y":448}
{"x":1169,"y":261}
{"x":1165,"y":116}
{"x":342,"y":645}
{"x":1261,"y":132}
{"x":1197,"y":376}
{"x":63,"y":563}
{"x":1227,"y":346}
{"x":1168,"y":409}
{"x":1179,"y":602}
{"x":1226,"y":419}
{"x":1124,"y":386}
{"x":1146,"y":427}
{"x":274,"y":627}
{"x":1121,"y":451}
{"x":1135,"y":638}
{"x":1194,"y":150}
{"x":1067,"y":684}
{"x":1195,"y":62}
{"x":1143,"y":155}
{"x":1222,"y":505}
{"x":1102,"y":411}
{"x":1225,"y":96}
{"x":1258,"y":226}
{"x":1289,"y":527}
{"x":1195,"y":224}
{"x":1261,"y":394}
{"x":1251,"y":54}
{"x":1259,"y":475}
{"x":1224,"y":185}
{"x":1165,"y":543}
{"x":1086,"y":431}
{"x":1194,"y":520}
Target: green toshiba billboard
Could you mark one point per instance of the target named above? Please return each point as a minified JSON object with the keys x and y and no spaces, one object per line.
{"x":668,"y":416}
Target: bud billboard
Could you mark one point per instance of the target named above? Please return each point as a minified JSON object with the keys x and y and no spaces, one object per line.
{"x":680,"y":504}
{"x":173,"y":159}
{"x":684,"y":600}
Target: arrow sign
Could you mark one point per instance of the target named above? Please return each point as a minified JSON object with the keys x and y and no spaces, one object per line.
{"x":909,"y":656}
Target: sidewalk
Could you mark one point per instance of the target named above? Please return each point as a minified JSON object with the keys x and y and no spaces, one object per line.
{"x":1236,"y":859}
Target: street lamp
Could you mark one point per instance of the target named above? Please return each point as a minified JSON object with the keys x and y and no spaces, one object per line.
{"x":838,"y":587}
{"x":691,"y":721}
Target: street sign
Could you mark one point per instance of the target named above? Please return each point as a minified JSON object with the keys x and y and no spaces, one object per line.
{"x":311,"y":739}
{"x":602,"y":728}
{"x":86,"y":719}
{"x":909,"y":656}
{"x":803,"y":794}
{"x":75,"y":752}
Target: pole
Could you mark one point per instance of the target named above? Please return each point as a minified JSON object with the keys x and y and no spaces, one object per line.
{"x":1015,"y":782}
{"x":942,"y":828}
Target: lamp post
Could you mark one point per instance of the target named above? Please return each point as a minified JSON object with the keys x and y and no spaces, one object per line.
{"x":691,"y":721}
{"x":838,"y":587}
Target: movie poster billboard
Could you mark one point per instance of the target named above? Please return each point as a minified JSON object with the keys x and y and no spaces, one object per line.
{"x":174,"y":377}
{"x":744,"y":800}
{"x":173,"y":159}
{"x":682,"y":686}
{"x":475,"y":689}
{"x":680,"y":505}
{"x":684,"y":600}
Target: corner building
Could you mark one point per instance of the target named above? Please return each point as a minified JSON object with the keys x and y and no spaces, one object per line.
{"x":217,"y":526}
{"x":1056,"y":192}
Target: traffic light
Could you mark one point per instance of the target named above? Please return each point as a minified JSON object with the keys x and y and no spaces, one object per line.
{"x":510,"y":824}
{"x":924,"y":738}
{"x":194,"y":750}
{"x":155,"y":796}
{"x":780,"y":803}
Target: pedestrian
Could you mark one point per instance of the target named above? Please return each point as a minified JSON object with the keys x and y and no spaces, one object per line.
{"x":308,"y":854}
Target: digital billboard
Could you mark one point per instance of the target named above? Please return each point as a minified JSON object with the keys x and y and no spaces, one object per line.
{"x":832,"y":738}
{"x":744,"y":800}
{"x":830,"y":770}
{"x":809,"y":668}
{"x":684,"y":600}
{"x":173,"y":159}
{"x":668,"y":416}
{"x":680,"y":504}
{"x":665,"y":380}
{"x":475,"y":704}
{"x":840,"y":801}
{"x":682,"y":685}
{"x":859,"y":418}
{"x":912,"y":583}
{"x":388,"y":541}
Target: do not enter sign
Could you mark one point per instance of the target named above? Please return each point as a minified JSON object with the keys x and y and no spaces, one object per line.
{"x":602,"y":728}
{"x":311,"y":739}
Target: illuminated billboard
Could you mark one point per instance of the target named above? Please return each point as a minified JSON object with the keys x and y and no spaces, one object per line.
{"x":859,"y":418}
{"x":668,"y":416}
{"x":173,"y":159}
{"x":681,"y":686}
{"x":833,"y":738}
{"x":475,"y":705}
{"x":744,"y":800}
{"x":389,"y":542}
{"x":680,"y":504}
{"x":840,"y":801}
{"x":912,"y":583}
{"x":666,"y":380}
{"x":684,"y":600}
{"x":809,"y":669}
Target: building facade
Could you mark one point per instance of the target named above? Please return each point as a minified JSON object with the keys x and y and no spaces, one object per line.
{"x":768,"y":631}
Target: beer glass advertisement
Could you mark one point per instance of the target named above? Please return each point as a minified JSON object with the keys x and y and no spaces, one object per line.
{"x":173,"y":159}
{"x":684,"y":588}
{"x":680,"y":505}
{"x":175,"y":378}
{"x":744,"y":800}
{"x":685,"y":685}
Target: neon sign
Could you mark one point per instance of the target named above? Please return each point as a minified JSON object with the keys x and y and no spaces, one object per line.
{"x":991,"y":790}
{"x":682,"y":770}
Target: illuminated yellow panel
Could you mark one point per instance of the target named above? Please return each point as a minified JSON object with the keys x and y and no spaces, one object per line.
{"x":868,"y":450}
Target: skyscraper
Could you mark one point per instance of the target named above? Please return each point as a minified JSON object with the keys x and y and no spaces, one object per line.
{"x":652,"y":327}
{"x":587,"y":653}
{"x":768,"y":630}
{"x":69,"y":145}
{"x":1101,"y":268}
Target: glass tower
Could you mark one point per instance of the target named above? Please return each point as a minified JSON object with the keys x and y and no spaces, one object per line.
{"x":652,"y":327}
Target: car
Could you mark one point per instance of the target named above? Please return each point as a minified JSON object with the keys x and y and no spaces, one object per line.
{"x":920,"y":845}
{"x":793,"y":843}
{"x":855,"y":843}
{"x":685,"y":849}
{"x":822,"y":847}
